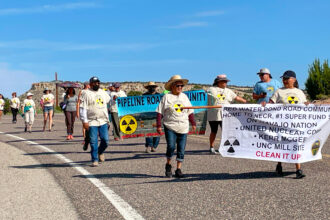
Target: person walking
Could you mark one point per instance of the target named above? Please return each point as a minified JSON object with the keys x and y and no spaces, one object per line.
{"x":265,"y":88}
{"x":70,"y":99}
{"x":114,"y":109}
{"x":94,"y":114}
{"x":85,"y":133}
{"x":219,"y":94}
{"x":47,"y":105}
{"x":2,"y":105}
{"x":176,"y":122}
{"x":289,"y":94}
{"x":151,"y":142}
{"x":14,"y":106}
{"x":29,"y":109}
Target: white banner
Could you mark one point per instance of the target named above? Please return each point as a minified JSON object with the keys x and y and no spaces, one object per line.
{"x":276,"y":132}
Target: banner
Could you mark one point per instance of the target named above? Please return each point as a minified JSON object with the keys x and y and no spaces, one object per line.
{"x":276,"y":132}
{"x":138,"y":113}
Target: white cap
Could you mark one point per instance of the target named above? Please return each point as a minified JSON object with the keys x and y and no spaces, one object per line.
{"x":264,"y":71}
{"x":29,"y":94}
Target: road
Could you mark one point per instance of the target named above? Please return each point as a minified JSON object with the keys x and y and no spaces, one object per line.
{"x":131,"y":183}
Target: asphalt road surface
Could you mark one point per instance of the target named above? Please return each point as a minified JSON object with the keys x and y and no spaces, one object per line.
{"x":130,"y":184}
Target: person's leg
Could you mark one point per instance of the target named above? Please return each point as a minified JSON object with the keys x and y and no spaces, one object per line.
{"x":279,"y":169}
{"x":50,"y":120}
{"x":73,"y":118}
{"x":26,"y":120}
{"x":93,"y":134}
{"x":170,"y":137}
{"x":115,"y":123}
{"x":155,"y":141}
{"x":31,"y":121}
{"x":45,"y":118}
{"x":299,"y":172}
{"x":1,"y":114}
{"x":181,"y":145}
{"x":148,"y":143}
{"x":104,"y":136}
{"x":67,"y":123}
{"x":12,"y":112}
{"x":15,"y":114}
{"x":213,"y":134}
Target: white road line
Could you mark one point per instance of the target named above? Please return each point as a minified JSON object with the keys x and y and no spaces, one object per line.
{"x":123,"y":207}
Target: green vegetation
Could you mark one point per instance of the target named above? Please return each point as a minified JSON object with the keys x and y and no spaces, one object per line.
{"x":197,"y":87}
{"x":7,"y":106}
{"x":134,"y":93}
{"x":318,"y":81}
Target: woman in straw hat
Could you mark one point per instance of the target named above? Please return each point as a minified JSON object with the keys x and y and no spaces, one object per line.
{"x":151,"y":142}
{"x":176,"y":122}
{"x":219,"y":94}
{"x":29,"y":109}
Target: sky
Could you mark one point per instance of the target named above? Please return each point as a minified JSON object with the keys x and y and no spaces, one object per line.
{"x":152,"y":40}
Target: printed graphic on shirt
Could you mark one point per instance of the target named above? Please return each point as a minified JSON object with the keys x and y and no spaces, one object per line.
{"x":292,"y":100}
{"x":177,"y":107}
{"x":270,"y":89}
{"x":99,"y":102}
{"x":28,"y":104}
{"x":128,"y":124}
{"x":221,"y":97}
{"x":1,"y":102}
{"x":46,"y":99}
{"x":315,"y":147}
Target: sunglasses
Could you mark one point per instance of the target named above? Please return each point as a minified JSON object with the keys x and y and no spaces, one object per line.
{"x":178,"y":86}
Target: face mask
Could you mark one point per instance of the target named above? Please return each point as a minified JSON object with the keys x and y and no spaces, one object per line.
{"x":96,"y":87}
{"x":152,"y":89}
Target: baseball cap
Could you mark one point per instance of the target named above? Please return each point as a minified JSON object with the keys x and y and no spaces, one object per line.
{"x":288,"y":74}
{"x":116,"y":85}
{"x":264,"y":71}
{"x":94,"y":79}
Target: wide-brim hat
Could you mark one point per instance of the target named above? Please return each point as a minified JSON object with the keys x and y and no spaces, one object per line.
{"x":46,"y":89}
{"x":264,"y":71}
{"x":29,"y":94}
{"x":222,"y":77}
{"x":175,"y":78}
{"x":150,"y":84}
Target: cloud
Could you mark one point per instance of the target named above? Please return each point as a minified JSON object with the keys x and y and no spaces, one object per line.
{"x":48,"y":8}
{"x":68,"y":46}
{"x":209,"y":13}
{"x":189,"y":25}
{"x":15,"y":80}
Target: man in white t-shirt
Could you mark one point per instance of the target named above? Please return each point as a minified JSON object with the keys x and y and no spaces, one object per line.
{"x":94,"y":115}
{"x":114,"y":109}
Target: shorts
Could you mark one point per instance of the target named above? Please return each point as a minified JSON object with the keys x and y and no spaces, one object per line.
{"x":48,"y":109}
{"x":215,"y":125}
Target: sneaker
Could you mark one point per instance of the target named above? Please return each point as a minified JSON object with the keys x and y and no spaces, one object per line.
{"x":212,"y":151}
{"x":279,"y":170}
{"x":168,"y":170}
{"x":101,"y":158}
{"x":178,"y":173}
{"x":299,"y":174}
{"x":95,"y":164}
{"x":147,"y":150}
{"x":153,"y":149}
{"x":68,"y":137}
{"x":71,"y":137}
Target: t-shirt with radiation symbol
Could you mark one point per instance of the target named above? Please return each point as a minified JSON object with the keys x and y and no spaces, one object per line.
{"x":2,"y":104}
{"x":99,"y":102}
{"x":28,"y":105}
{"x":289,"y":96}
{"x":218,"y":96}
{"x":175,"y":118}
{"x":14,"y":103}
{"x":47,"y":99}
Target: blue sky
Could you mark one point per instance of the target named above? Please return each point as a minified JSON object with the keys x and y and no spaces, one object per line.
{"x":151,"y":40}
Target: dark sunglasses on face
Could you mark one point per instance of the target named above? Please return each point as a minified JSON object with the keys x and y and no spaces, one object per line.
{"x":178,"y":86}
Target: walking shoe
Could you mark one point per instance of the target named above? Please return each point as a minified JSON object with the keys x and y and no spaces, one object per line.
{"x":279,"y":170}
{"x":212,"y":151}
{"x":68,"y":137}
{"x":153,"y":149}
{"x":299,"y":174}
{"x":168,"y":170}
{"x":147,"y":150}
{"x":95,"y":164}
{"x":178,"y":173}
{"x":101,"y":158}
{"x":71,"y":137}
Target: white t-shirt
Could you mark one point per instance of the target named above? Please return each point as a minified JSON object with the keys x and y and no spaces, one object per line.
{"x":95,"y":102}
{"x":28,"y":104}
{"x":2,"y":104}
{"x":289,"y":96}
{"x":113,"y":104}
{"x":14,"y":102}
{"x":218,"y":96}
{"x":174,"y":118}
{"x":48,"y":99}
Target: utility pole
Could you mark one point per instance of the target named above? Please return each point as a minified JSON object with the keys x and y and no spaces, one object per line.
{"x":56,"y":89}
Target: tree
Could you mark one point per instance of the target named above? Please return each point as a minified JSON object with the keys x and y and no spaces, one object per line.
{"x":317,"y":83}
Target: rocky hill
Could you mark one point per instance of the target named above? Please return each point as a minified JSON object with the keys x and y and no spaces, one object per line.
{"x":38,"y":88}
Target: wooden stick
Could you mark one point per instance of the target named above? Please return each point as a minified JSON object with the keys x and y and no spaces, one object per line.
{"x":198,"y":107}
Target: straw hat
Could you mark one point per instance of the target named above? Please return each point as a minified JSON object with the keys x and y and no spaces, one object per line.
{"x":150,"y":84}
{"x":175,"y":78}
{"x":219,"y":78}
{"x":29,"y":94}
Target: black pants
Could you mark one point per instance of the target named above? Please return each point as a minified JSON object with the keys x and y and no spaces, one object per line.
{"x":14,"y":111}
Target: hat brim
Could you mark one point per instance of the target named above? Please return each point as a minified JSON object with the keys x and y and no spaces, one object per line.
{"x":168,"y":85}
{"x":147,"y":86}
{"x":218,"y":80}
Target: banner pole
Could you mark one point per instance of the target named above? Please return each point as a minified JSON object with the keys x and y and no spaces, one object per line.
{"x":199,"y":107}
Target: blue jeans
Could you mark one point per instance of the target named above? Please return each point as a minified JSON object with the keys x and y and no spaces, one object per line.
{"x":94,"y":132}
{"x":152,"y":142}
{"x":173,"y":138}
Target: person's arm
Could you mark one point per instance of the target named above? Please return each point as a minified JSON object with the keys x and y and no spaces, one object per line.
{"x":240,"y":99}
{"x":83,"y":117}
{"x":159,"y":123}
{"x":192,"y":122}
